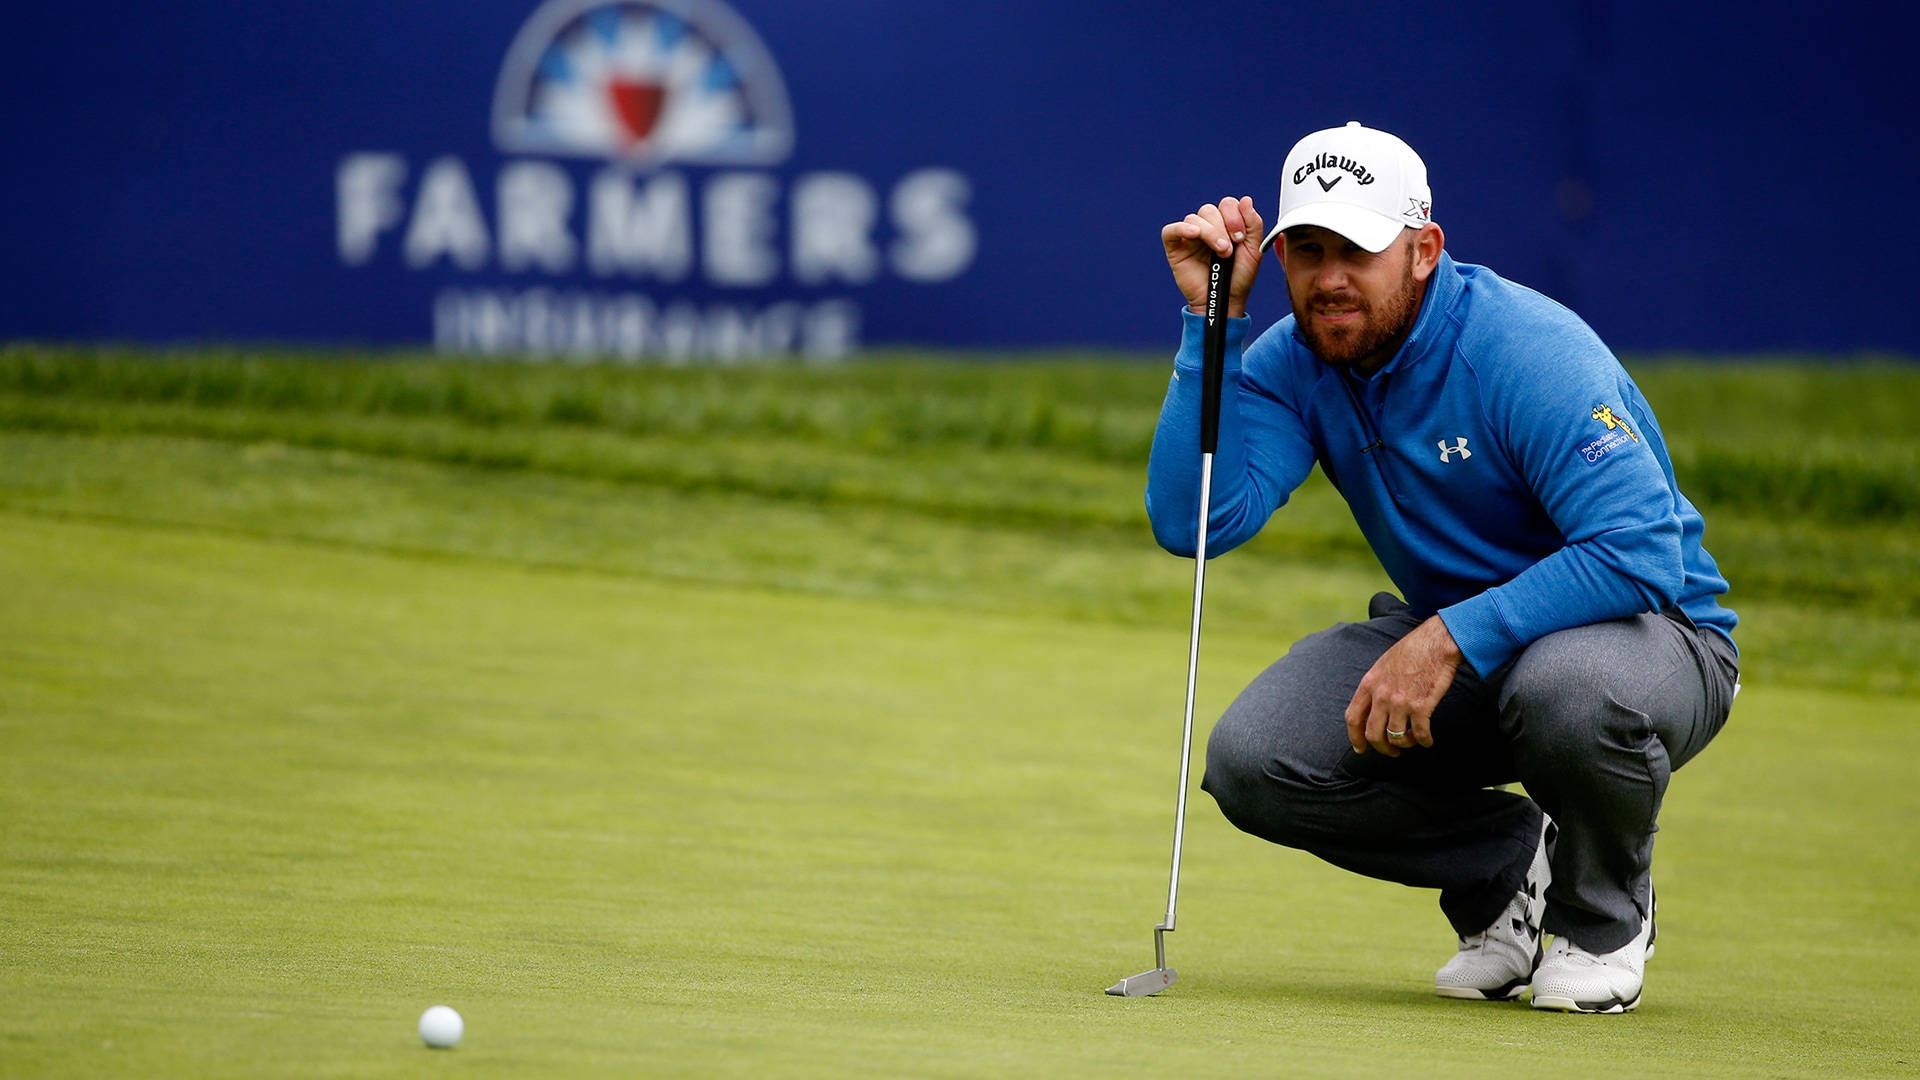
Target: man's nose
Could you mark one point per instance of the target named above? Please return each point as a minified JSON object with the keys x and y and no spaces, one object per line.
{"x":1331,"y":275}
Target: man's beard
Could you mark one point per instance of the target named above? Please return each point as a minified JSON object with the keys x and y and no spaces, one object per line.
{"x":1379,"y":330}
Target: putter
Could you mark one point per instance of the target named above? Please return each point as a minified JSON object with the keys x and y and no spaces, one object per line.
{"x":1213,"y":354}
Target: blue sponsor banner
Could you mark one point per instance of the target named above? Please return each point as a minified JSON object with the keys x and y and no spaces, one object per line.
{"x":701,"y":180}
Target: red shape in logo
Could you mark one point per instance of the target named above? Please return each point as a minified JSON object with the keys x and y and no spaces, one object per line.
{"x":637,"y":104}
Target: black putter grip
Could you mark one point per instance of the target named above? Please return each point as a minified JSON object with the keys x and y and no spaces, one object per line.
{"x":1213,"y":350}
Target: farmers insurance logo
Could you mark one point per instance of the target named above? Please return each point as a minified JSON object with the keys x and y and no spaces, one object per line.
{"x":646,"y":82}
{"x":687,"y":117}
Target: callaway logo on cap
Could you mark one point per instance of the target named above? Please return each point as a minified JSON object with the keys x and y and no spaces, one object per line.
{"x":1364,"y":184}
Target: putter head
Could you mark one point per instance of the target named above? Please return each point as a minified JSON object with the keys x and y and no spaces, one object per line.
{"x":1145,"y":983}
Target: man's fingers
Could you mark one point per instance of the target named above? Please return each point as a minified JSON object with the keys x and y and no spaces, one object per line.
{"x":1221,"y":227}
{"x":1233,"y":218}
{"x":1256,"y":226}
{"x":1214,"y":228}
{"x":1221,"y":230}
{"x":1187,"y":237}
{"x":1178,"y":236}
{"x":1379,"y":720}
{"x":1421,"y":728}
{"x":1244,"y":226}
{"x":1188,"y":233}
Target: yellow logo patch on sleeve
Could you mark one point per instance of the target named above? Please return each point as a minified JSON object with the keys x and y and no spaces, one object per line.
{"x":1619,"y":433}
{"x":1605,"y":414}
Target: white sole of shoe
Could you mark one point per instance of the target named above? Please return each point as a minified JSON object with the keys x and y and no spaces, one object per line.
{"x":1468,"y":993}
{"x":1604,"y":1008}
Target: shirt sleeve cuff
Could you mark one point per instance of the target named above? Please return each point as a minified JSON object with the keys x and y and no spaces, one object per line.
{"x":1480,"y":629}
{"x":1193,"y":329}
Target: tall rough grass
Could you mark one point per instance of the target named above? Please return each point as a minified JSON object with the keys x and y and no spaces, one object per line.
{"x":1835,"y":443}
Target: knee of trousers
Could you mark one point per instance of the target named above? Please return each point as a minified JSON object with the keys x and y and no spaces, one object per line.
{"x":1257,"y":792}
{"x":1561,"y":699}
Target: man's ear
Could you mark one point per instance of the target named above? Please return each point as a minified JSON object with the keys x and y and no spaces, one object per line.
{"x":1427,"y":245}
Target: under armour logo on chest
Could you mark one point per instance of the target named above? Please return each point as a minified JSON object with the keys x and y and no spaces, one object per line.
{"x":1458,"y":449}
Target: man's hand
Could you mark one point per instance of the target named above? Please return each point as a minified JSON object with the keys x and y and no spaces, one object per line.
{"x":1233,"y":226}
{"x":1393,"y":707}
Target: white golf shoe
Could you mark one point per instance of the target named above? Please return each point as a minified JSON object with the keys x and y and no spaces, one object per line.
{"x":1497,"y":963}
{"x":1571,"y":979}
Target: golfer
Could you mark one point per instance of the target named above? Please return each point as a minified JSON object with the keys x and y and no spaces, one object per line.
{"x":1560,"y":626}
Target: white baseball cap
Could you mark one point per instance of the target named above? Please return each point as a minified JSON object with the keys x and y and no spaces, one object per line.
{"x":1362,"y":183}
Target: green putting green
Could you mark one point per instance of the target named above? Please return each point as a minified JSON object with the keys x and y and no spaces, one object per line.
{"x":649,"y":778}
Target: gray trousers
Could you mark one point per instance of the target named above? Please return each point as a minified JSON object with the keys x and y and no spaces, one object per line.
{"x":1592,"y":720}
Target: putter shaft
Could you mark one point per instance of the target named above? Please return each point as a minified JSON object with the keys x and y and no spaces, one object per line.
{"x":1219,"y":279}
{"x":1193,"y":678}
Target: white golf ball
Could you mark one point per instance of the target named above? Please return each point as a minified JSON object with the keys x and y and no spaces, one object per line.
{"x":441,"y":1028}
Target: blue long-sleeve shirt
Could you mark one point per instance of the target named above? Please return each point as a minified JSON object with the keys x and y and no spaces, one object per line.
{"x":1504,"y":467}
